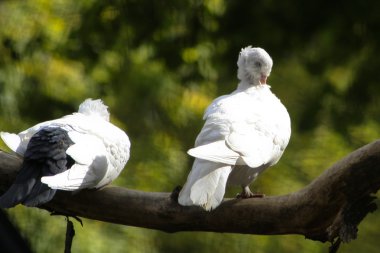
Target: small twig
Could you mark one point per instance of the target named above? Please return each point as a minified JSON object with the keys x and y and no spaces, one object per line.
{"x":335,"y":246}
{"x":55,"y":213}
{"x":70,"y":233}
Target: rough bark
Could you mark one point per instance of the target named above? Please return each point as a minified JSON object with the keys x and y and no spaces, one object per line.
{"x":328,"y":209}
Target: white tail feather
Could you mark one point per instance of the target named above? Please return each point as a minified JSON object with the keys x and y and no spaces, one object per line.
{"x":11,"y":140}
{"x":205,"y":185}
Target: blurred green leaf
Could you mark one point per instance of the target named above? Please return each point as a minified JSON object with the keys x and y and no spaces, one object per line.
{"x":158,"y":64}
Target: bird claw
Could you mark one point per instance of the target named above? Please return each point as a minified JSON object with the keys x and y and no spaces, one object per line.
{"x":247,"y":194}
{"x":175,"y":193}
{"x":55,"y":213}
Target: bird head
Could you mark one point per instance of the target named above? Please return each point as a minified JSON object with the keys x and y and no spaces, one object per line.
{"x":254,"y":65}
{"x":96,"y":107}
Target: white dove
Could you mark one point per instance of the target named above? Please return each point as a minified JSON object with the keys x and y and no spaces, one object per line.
{"x":81,"y":150}
{"x":245,"y":132}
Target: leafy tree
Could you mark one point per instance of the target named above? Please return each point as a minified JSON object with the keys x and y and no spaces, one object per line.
{"x":158,"y":64}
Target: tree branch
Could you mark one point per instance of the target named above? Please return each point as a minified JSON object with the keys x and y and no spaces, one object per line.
{"x":328,"y":209}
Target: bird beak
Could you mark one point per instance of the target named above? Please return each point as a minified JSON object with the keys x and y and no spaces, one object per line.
{"x":263,"y":79}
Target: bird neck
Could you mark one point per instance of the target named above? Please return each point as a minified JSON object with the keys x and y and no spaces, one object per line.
{"x":244,"y":85}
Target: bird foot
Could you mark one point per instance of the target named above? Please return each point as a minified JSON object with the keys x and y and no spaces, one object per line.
{"x":55,"y":213}
{"x":251,"y":195}
{"x":246,"y":194}
{"x":175,"y":193}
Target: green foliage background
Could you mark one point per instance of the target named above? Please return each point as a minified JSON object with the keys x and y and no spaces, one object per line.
{"x":158,"y":64}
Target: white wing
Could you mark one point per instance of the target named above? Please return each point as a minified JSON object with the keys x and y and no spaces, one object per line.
{"x":254,"y":146}
{"x":234,"y":133}
{"x":19,"y":142}
{"x":253,"y":150}
{"x":90,"y":155}
{"x":76,"y":178}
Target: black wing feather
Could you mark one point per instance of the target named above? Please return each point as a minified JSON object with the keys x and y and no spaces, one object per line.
{"x":45,"y":156}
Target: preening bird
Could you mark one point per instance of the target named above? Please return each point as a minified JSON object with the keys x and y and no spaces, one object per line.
{"x":245,"y":133}
{"x":77,"y":151}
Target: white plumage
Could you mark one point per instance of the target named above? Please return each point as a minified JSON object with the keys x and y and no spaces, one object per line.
{"x":244,"y":133}
{"x":99,"y":151}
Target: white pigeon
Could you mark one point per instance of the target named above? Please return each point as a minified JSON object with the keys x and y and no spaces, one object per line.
{"x":245,"y":132}
{"x":77,"y":151}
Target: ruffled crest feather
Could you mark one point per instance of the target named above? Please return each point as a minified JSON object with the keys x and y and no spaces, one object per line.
{"x":94,"y":107}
